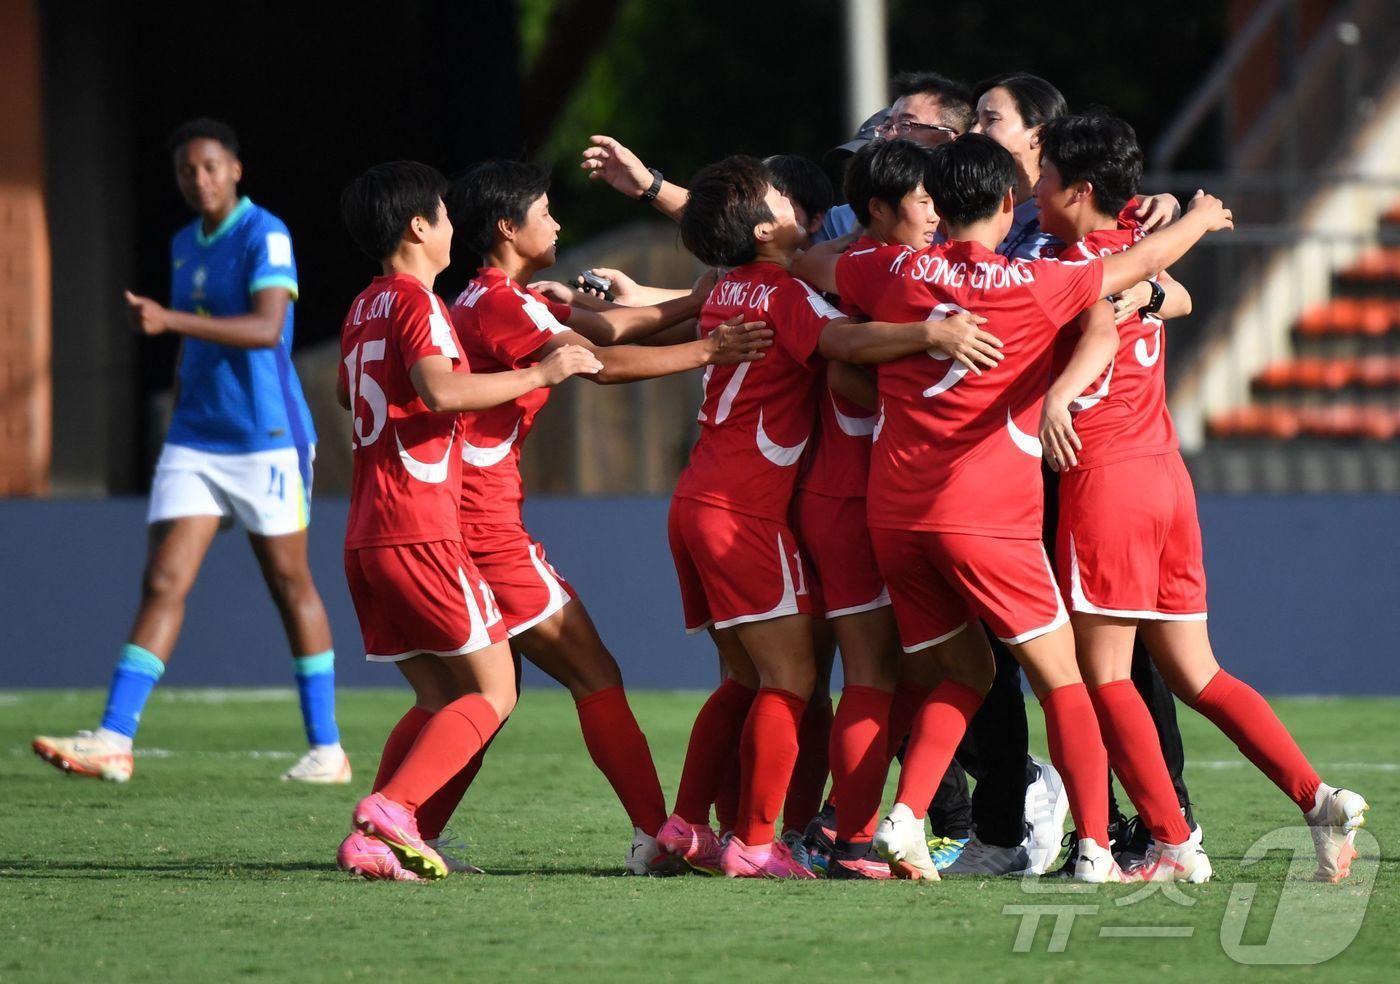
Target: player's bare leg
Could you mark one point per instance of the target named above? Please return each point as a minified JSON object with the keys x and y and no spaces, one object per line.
{"x":285,"y":570}
{"x":176,"y":550}
{"x":964,"y":668}
{"x":1183,"y":653}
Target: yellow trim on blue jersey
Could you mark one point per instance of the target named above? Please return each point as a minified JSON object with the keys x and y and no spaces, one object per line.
{"x":276,"y":280}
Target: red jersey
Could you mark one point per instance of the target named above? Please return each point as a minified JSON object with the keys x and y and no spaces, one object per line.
{"x":1124,"y":413}
{"x":406,"y":478}
{"x":954,"y":451}
{"x":756,"y":417}
{"x":502,"y":326}
{"x":839,"y":460}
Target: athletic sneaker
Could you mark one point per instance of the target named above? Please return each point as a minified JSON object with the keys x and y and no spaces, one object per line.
{"x":1130,"y":843}
{"x":982,"y":859}
{"x":1117,"y":827}
{"x":370,"y":857}
{"x":694,"y":843}
{"x":646,"y":857}
{"x":857,"y":861}
{"x":395,"y":825}
{"x":820,"y":837}
{"x":1336,"y":818}
{"x":453,"y":851}
{"x":324,"y":765}
{"x":797,"y":846}
{"x":900,"y":841}
{"x":1047,"y":805}
{"x":945,"y":850}
{"x":774,"y":860}
{"x":1184,"y":862}
{"x":1131,"y":863}
{"x":85,"y":754}
{"x":1094,"y":863}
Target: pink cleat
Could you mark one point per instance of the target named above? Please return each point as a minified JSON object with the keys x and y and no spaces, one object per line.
{"x":774,"y":860}
{"x":694,"y":843}
{"x":396,"y":826}
{"x":369,"y":857}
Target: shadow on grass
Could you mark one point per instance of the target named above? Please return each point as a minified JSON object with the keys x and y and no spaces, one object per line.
{"x":222,"y":870}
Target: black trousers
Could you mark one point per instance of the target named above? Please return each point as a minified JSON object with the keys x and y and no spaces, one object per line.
{"x":995,"y":752}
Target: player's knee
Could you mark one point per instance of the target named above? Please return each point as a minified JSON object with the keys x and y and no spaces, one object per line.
{"x":165,"y":582}
{"x":501,"y":698}
{"x":797,"y":678}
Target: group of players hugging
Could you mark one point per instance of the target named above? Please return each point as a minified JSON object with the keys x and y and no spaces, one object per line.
{"x":905,"y":398}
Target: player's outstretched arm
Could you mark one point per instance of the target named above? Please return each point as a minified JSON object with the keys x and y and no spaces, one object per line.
{"x":630,"y":324}
{"x":1148,"y":258}
{"x":817,"y":265}
{"x":629,"y":293}
{"x":733,"y":342}
{"x":959,"y":336}
{"x":854,"y":383}
{"x":445,"y":391}
{"x":260,"y":328}
{"x":1097,"y":345}
{"x":607,"y":160}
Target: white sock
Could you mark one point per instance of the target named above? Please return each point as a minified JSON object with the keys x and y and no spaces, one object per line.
{"x":116,"y":739}
{"x":328,"y":748}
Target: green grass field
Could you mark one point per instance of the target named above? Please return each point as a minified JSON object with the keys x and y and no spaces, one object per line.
{"x":206,"y":867}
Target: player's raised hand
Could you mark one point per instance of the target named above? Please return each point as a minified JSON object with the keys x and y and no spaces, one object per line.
{"x":147,"y":317}
{"x":610,"y":161}
{"x":554,"y":290}
{"x":1156,"y":211}
{"x":1058,"y":441}
{"x":566,"y":361}
{"x":961,"y":336}
{"x":1126,"y":304}
{"x":1217,"y":216}
{"x":623,"y":287}
{"x":737,"y":341}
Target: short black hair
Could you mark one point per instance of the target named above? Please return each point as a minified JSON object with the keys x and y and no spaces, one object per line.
{"x":884,"y":169}
{"x":1102,"y":150}
{"x":726,"y":201}
{"x":377,"y":206}
{"x":802,"y":181}
{"x":959,"y":108}
{"x":491,"y":191}
{"x":202,"y":128}
{"x":1036,"y":99}
{"x":969,"y":177}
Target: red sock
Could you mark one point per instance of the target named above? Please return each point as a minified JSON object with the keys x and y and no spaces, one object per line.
{"x":804,"y":795}
{"x":938,"y":727}
{"x":858,"y":760}
{"x":1076,"y":750}
{"x":1135,"y":753}
{"x":727,"y":797}
{"x":438,"y":808}
{"x":400,"y":740}
{"x":909,"y":696}
{"x":620,"y":752}
{"x":714,"y":736}
{"x":1236,"y":708}
{"x":767,"y":754}
{"x":446,"y":744}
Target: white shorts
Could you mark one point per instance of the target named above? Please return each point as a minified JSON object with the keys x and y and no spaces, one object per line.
{"x":265,"y":490}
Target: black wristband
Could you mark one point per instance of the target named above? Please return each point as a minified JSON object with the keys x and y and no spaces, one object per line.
{"x":657,"y":180}
{"x":1158,"y":297}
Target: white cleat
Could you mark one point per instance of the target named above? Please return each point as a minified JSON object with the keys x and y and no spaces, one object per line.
{"x":645,"y":857}
{"x":901,"y":841}
{"x":325,"y":765}
{"x":1334,"y":821}
{"x":1047,"y":805}
{"x":978,"y":858}
{"x":85,"y":754}
{"x":454,"y":853}
{"x":1184,"y":862}
{"x":1094,"y":863}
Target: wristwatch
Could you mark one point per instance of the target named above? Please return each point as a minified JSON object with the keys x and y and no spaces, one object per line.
{"x":1158,"y":297}
{"x":657,"y":180}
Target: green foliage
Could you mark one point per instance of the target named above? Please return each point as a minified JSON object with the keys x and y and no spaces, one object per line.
{"x":205,"y":867}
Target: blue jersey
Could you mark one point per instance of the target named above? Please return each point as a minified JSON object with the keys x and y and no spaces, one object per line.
{"x":236,"y":400}
{"x":1026,"y":240}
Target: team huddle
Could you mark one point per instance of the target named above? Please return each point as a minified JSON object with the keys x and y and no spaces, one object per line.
{"x":904,"y":400}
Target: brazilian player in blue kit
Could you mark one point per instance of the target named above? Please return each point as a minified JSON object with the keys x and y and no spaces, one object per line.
{"x":240,"y":446}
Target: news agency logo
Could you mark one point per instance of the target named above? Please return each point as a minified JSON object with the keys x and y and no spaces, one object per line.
{"x":1296,"y":923}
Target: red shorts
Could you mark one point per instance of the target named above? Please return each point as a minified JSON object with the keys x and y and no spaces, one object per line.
{"x":528,"y":588}
{"x":421,"y":598}
{"x":833,"y":536}
{"x":735,"y":568}
{"x":941,"y":582}
{"x":1129,"y":542}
